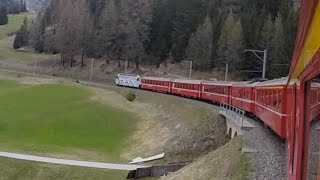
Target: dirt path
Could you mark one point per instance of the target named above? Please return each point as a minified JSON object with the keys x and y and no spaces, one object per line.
{"x":90,"y":164}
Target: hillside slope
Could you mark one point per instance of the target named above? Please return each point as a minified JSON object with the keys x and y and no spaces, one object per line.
{"x":226,"y":162}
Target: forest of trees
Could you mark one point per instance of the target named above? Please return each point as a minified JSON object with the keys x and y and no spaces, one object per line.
{"x":11,"y":7}
{"x":211,"y":33}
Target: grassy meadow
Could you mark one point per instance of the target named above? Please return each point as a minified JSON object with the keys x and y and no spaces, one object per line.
{"x":61,"y":119}
{"x":11,"y":169}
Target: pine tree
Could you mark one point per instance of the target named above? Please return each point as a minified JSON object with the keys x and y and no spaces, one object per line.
{"x":290,"y":29}
{"x":230,"y":45}
{"x":161,"y":30}
{"x":140,"y":17}
{"x":23,"y":6}
{"x":22,"y":36}
{"x":36,"y":36}
{"x":266,"y":33}
{"x":108,"y":31}
{"x":276,"y":51}
{"x":199,"y":49}
{"x":188,"y":16}
{"x":3,"y":12}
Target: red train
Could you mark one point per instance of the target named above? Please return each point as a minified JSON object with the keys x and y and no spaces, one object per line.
{"x":266,"y":100}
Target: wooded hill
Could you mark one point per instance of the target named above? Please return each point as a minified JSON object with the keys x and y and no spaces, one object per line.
{"x":11,"y":7}
{"x":211,"y":33}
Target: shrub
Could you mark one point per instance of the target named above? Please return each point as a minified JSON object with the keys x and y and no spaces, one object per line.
{"x":131,"y":96}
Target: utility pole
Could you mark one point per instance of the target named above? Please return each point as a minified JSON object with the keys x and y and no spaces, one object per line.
{"x":190,"y":73}
{"x":262,"y":59}
{"x":35,"y":66}
{"x":125,"y":69}
{"x":226,"y":75}
{"x":92,"y":61}
{"x":264,"y":64}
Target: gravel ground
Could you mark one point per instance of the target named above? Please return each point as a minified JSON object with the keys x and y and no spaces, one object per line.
{"x":313,"y":150}
{"x":269,"y":162}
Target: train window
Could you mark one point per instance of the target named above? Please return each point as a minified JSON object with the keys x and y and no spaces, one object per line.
{"x":264,"y":97}
{"x":267,"y":98}
{"x":280,"y":101}
{"x":270,"y":98}
{"x":274,"y":99}
{"x":247,"y":94}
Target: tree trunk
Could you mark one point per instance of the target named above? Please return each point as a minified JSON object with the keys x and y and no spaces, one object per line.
{"x":128,"y":64}
{"x":137,"y":64}
{"x":82,"y":57}
{"x":71,"y":60}
{"x":107,"y":61}
{"x":119,"y":63}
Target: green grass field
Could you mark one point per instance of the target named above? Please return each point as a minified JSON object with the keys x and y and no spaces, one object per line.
{"x":6,"y":42}
{"x":61,"y":119}
{"x":11,"y":169}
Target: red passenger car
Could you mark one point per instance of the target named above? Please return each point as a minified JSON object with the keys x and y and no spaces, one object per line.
{"x":270,"y":105}
{"x":156,"y":84}
{"x":243,"y":96}
{"x":216,"y":92}
{"x":186,"y":88}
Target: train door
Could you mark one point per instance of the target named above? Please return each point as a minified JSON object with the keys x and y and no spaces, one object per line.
{"x":303,"y":132}
{"x":312,"y":130}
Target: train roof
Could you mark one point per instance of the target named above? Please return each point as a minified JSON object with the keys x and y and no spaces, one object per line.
{"x":133,"y":75}
{"x":218,"y":83}
{"x":156,"y":78}
{"x":245,"y":84}
{"x":275,"y":82}
{"x":189,"y":81}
